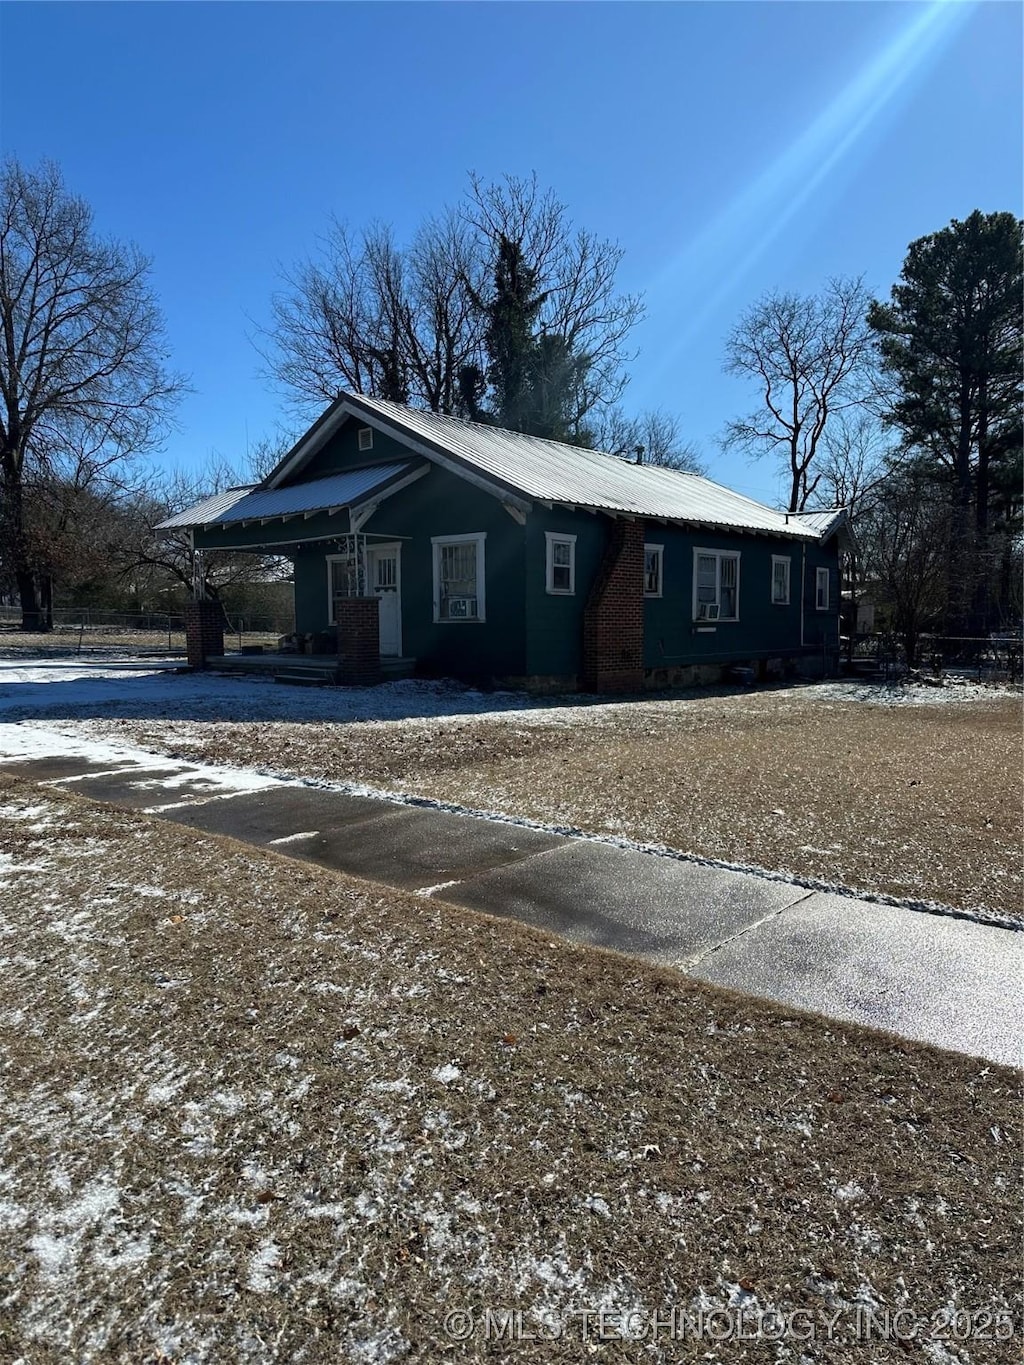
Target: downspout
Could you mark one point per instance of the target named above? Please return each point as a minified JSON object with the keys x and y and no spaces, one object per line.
{"x":803,"y":598}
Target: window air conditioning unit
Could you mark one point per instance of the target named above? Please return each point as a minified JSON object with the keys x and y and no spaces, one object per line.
{"x":708,"y":611}
{"x":458,"y":606}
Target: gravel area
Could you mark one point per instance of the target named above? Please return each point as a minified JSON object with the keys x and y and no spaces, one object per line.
{"x":255,"y":1112}
{"x":914,"y":793}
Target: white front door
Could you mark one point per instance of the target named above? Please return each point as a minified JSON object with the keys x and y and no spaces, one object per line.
{"x":384,"y":580}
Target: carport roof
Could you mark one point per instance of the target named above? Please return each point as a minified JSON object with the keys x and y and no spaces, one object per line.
{"x":255,"y":503}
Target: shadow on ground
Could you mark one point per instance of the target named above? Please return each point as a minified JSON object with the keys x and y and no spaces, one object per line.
{"x":79,"y":689}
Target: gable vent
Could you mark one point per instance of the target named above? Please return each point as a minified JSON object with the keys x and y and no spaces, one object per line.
{"x":366,"y":438}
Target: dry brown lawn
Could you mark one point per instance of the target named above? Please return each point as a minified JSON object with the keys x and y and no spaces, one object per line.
{"x":252,"y":1111}
{"x":918,"y":802}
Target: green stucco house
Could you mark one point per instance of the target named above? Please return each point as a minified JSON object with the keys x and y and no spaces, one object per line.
{"x":471,"y":552}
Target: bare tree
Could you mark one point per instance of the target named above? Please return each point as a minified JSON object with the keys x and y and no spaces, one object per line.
{"x":368,"y":316}
{"x":905,"y":527}
{"x":808,"y":356}
{"x":261,"y":458}
{"x":171,"y":556}
{"x":857,"y":458}
{"x":409,"y":323}
{"x":69,"y":529}
{"x":575,"y":272}
{"x":652,"y":437}
{"x":82,"y":373}
{"x":857,"y":453}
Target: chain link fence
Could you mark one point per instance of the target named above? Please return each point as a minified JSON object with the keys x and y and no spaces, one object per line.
{"x":987,"y":658}
{"x":86,"y":629}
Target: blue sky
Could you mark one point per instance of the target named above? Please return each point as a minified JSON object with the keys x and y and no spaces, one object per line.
{"x":730,"y":148}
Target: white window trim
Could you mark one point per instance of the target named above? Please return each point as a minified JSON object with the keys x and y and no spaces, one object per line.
{"x":388,"y":547}
{"x":551,"y":538}
{"x":781,"y":601}
{"x":481,"y":578}
{"x":719,"y":556}
{"x":365,"y":444}
{"x":658,"y":550}
{"x":819,"y":605}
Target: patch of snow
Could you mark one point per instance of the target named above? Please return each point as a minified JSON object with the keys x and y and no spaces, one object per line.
{"x":866,"y":1239}
{"x":9,"y":864}
{"x":57,"y":1244}
{"x":265,"y":1261}
{"x":12,"y":1215}
{"x":335,"y":1212}
{"x":398,"y":1087}
{"x":850,"y":1191}
{"x":907,"y":694}
{"x":440,"y":886}
{"x":130,"y":1253}
{"x":940,"y":1354}
{"x":367,"y":1207}
{"x":446,"y":1074}
{"x":39,"y":815}
{"x":132,"y":687}
{"x":228,"y":1101}
{"x":379,"y":1349}
{"x":52,"y":1253}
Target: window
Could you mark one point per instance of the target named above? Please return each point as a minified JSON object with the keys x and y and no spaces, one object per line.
{"x":780,"y":580}
{"x":716,"y":585}
{"x":459,"y":577}
{"x":561,"y":563}
{"x":821,"y":589}
{"x":366,"y":438}
{"x":653,"y":555}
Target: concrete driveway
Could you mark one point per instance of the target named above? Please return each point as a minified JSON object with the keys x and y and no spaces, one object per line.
{"x":938,"y":979}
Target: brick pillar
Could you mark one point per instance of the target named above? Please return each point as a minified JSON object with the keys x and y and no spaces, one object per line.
{"x":358,"y":640}
{"x":204,"y":631}
{"x":613,"y":619}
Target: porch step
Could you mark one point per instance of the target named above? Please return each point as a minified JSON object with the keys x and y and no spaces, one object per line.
{"x":309,"y":669}
{"x":393,"y":667}
{"x":308,"y":677}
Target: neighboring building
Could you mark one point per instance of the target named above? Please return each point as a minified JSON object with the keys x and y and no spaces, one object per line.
{"x":857,"y":613}
{"x":494,"y":555}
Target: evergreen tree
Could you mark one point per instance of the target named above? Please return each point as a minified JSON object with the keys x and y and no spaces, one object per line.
{"x":498,"y":310}
{"x":952,"y":342}
{"x":511,"y":313}
{"x":533,"y":375}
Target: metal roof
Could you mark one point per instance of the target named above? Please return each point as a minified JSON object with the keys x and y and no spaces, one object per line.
{"x":548,"y":471}
{"x":210,"y":509}
{"x":822,"y":522}
{"x":254,"y":503}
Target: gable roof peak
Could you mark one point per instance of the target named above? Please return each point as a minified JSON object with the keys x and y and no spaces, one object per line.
{"x":520,"y":468}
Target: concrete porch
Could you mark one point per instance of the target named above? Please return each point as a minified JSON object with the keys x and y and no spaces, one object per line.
{"x":303,"y":669}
